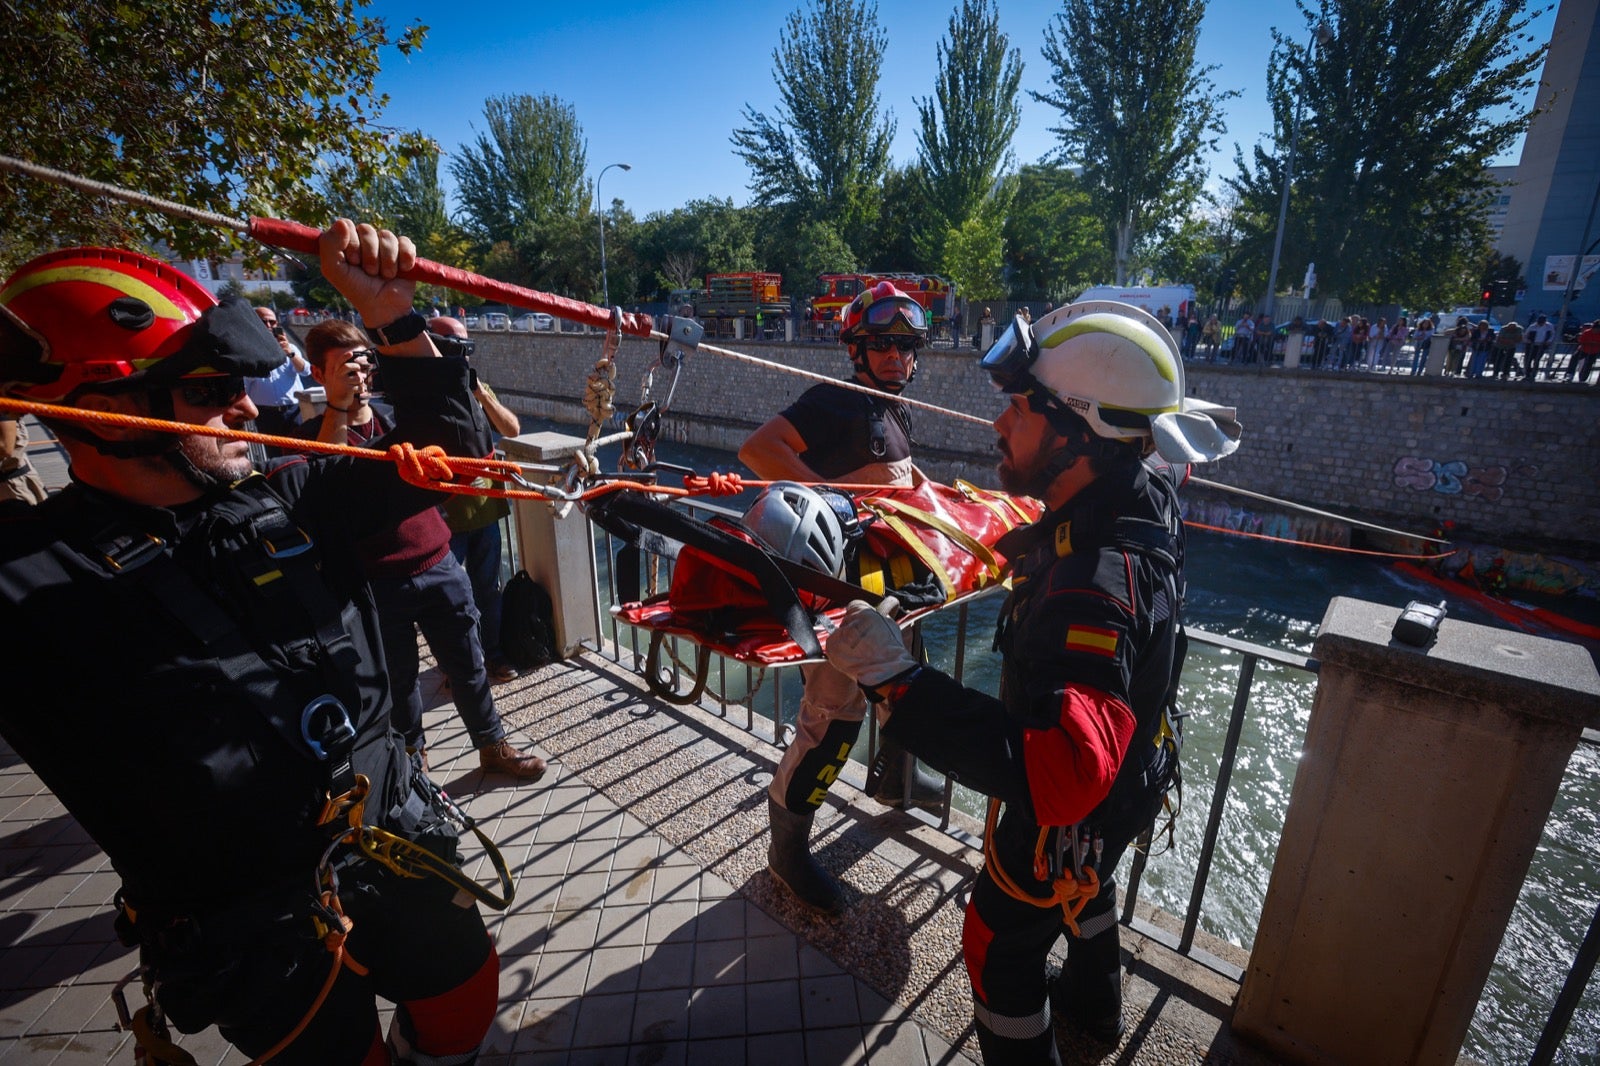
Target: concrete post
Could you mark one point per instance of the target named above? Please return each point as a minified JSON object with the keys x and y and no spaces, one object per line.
{"x":1425,"y":783}
{"x":1438,"y":352}
{"x":1292,"y":344}
{"x":986,"y":336}
{"x":558,"y":553}
{"x":738,"y":329}
{"x":788,"y":330}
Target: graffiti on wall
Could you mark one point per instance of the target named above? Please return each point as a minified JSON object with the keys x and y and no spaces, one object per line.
{"x":1456,"y":478}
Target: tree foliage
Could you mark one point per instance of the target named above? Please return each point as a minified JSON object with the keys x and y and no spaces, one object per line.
{"x":1137,"y":115}
{"x":1054,"y":243}
{"x":964,"y":131}
{"x":1403,"y":106}
{"x":974,"y":257}
{"x":526,"y":170}
{"x":224,"y":105}
{"x":824,"y":148}
{"x":678,"y":248}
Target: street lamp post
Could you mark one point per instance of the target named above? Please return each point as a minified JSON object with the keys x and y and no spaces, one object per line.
{"x":1321,"y":35}
{"x":605,"y":287}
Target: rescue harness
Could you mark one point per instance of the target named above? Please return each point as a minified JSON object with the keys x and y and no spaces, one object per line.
{"x":270,"y":579}
{"x":1067,"y":858}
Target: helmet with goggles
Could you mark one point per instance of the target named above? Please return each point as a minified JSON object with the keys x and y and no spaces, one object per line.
{"x":102,"y":318}
{"x":1119,"y":369}
{"x":883,"y":311}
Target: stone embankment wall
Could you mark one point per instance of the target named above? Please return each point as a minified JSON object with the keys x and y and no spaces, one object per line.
{"x":1507,"y":463}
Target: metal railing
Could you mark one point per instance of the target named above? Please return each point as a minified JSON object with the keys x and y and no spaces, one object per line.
{"x":1251,"y":657}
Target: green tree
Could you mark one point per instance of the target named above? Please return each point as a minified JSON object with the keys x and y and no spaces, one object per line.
{"x":1054,"y":242}
{"x":678,"y":248}
{"x":1390,"y":188}
{"x":824,"y":148}
{"x":898,"y":239}
{"x":526,"y":169}
{"x":820,"y":250}
{"x":965,"y":130}
{"x":1137,"y":115}
{"x":974,"y":257}
{"x":224,"y":105}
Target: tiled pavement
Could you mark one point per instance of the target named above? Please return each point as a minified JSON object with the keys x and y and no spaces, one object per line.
{"x":645,"y":928}
{"x":619,"y":948}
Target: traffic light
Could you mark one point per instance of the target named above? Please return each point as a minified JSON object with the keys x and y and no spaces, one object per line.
{"x":1487,"y":300}
{"x":1226,"y":282}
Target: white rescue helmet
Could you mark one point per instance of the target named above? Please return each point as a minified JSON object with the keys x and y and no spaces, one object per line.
{"x":798,"y":524}
{"x":1117,"y":367}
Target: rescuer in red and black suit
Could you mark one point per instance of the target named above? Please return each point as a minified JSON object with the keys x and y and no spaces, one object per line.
{"x":841,"y":436}
{"x":211,"y":703}
{"x":1080,"y":746}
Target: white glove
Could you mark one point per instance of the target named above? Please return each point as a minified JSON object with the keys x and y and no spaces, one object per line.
{"x":868,"y":647}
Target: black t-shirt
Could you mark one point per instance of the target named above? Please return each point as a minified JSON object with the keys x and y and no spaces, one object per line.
{"x":853,"y":438}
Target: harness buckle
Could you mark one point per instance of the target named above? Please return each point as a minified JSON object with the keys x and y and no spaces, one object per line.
{"x":326,"y":728}
{"x":304,"y":545}
{"x":125,"y":550}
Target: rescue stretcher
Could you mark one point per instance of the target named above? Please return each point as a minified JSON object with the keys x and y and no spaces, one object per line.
{"x":929,"y":546}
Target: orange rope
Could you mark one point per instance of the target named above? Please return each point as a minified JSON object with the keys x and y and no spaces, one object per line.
{"x":1314,"y":544}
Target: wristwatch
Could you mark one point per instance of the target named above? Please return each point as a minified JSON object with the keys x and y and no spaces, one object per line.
{"x":407,"y":327}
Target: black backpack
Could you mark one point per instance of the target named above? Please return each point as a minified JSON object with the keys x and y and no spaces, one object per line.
{"x":527,"y":624}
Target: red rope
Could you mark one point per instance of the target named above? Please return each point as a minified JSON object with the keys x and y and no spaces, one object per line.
{"x":1314,"y":544}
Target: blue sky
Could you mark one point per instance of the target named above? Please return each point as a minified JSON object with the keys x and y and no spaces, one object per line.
{"x":661,"y":86}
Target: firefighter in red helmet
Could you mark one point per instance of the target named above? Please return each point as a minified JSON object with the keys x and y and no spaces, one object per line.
{"x":237,"y":718}
{"x":831,"y":434}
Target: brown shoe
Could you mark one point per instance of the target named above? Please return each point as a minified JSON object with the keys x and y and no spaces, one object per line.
{"x":500,"y":757}
{"x":500,"y":673}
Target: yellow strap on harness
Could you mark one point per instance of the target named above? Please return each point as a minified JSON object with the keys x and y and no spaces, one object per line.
{"x":999,"y":502}
{"x":1067,"y":892}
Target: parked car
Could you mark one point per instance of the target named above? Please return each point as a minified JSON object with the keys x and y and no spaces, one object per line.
{"x":495,"y":320}
{"x":533,"y":321}
{"x":472,"y":322}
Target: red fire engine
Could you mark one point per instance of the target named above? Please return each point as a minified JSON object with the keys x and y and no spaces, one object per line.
{"x":934,"y":293}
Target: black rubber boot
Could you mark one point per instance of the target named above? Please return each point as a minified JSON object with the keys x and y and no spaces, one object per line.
{"x":789,"y":859}
{"x":1088,"y":992}
{"x":927,"y":791}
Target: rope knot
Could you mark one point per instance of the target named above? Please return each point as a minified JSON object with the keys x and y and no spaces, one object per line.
{"x":421,"y":466}
{"x":715,"y":483}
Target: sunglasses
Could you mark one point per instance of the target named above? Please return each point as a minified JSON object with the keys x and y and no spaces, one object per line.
{"x":904,"y":345}
{"x":212,"y":392}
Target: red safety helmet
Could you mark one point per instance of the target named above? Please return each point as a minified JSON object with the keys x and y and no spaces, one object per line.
{"x":883,"y":310}
{"x":99,"y":317}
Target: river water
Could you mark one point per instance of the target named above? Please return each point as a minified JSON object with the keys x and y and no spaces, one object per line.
{"x":1275,"y":595}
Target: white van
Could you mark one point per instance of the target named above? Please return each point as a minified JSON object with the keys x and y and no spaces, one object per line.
{"x":1177,"y":299}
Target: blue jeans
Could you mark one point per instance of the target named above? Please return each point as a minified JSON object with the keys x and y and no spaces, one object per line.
{"x":478,"y":551}
{"x":439,"y":602}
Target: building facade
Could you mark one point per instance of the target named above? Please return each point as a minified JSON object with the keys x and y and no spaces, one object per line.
{"x":1552,"y":216}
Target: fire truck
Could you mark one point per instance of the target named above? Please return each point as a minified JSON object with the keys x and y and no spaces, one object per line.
{"x":734,"y":297}
{"x":834,"y":291}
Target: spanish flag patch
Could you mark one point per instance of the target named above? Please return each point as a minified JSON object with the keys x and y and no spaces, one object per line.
{"x":1093,"y":640}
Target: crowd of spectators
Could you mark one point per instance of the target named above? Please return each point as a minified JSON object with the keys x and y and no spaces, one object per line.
{"x":1474,"y":349}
